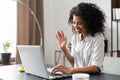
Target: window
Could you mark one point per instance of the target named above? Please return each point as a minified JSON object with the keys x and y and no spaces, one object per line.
{"x":8,"y":23}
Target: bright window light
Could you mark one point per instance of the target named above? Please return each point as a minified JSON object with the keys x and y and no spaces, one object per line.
{"x":8,"y":23}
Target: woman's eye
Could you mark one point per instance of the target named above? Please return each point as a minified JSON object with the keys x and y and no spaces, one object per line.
{"x":77,"y":23}
{"x":73,"y":23}
{"x":80,"y":23}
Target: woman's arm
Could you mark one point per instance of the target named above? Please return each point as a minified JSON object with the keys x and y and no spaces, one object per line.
{"x":65,"y":70}
{"x":62,"y":40}
{"x":68,"y":56}
{"x":88,"y":69}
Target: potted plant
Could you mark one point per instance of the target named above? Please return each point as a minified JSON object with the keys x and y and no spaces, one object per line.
{"x":5,"y":56}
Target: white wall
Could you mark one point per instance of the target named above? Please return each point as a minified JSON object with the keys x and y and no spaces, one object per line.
{"x":8,"y":22}
{"x":56,"y":13}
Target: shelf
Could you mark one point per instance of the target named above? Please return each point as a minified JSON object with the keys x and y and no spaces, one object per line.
{"x":117,"y":38}
{"x":115,"y":5}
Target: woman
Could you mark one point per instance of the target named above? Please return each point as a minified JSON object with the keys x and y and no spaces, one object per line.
{"x":87,"y":50}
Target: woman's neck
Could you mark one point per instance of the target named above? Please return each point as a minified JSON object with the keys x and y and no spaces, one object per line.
{"x":84,"y":36}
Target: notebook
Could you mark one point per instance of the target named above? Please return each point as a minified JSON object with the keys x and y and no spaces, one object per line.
{"x":33,"y":62}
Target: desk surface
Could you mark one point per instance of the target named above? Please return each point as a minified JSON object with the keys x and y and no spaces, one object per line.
{"x":11,"y":73}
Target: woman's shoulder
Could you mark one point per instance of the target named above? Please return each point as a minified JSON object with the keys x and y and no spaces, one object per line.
{"x":99,"y":36}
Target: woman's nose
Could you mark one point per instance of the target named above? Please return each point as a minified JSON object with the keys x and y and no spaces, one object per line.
{"x":75,"y":25}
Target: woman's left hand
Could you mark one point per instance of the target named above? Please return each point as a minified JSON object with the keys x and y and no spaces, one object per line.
{"x":62,"y":69}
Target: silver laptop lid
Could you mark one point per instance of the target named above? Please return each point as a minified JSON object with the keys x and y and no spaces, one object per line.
{"x":32,"y":60}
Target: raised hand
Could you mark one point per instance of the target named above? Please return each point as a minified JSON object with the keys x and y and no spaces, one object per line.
{"x":61,"y":39}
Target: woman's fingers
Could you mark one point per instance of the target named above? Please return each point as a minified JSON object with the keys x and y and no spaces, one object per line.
{"x":60,"y":34}
{"x":61,"y":39}
{"x":57,"y":36}
{"x":61,"y":69}
{"x":56,"y":69}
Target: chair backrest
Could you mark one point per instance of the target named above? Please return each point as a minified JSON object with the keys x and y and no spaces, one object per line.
{"x":111,"y":65}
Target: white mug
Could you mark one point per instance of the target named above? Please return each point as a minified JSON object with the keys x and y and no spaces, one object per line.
{"x":80,"y":76}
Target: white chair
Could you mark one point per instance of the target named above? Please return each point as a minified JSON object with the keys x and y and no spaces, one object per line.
{"x":111,"y":65}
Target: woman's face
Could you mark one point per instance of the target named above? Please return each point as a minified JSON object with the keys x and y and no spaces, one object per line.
{"x":79,"y":25}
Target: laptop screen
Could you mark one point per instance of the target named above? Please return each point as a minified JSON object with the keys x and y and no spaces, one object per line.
{"x":32,"y":60}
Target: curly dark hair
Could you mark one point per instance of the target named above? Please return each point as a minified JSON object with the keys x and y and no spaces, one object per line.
{"x":91,"y":14}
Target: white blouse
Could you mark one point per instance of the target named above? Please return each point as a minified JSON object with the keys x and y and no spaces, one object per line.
{"x":89,"y":51}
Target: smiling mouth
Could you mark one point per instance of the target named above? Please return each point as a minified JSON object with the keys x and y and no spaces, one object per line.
{"x":77,"y":29}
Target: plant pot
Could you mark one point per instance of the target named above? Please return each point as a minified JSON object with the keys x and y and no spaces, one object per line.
{"x":5,"y":58}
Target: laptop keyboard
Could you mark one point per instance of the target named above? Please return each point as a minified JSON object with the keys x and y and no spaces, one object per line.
{"x":57,"y":74}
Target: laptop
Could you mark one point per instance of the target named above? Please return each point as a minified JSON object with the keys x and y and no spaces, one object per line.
{"x":33,"y":62}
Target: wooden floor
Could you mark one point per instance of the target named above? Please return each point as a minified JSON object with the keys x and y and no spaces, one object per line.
{"x":11,"y":63}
